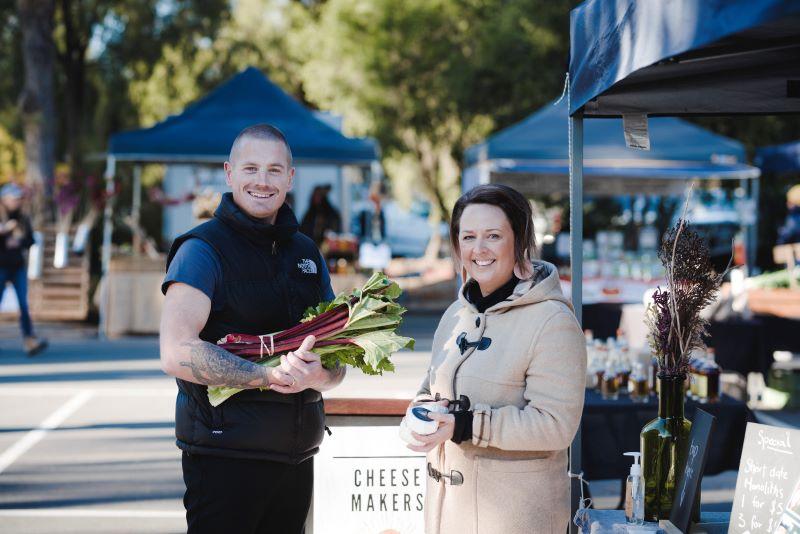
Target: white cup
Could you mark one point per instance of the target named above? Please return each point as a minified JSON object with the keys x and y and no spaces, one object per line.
{"x":417,"y":417}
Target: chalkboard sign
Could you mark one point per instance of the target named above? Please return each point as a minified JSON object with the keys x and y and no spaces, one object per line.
{"x":767,"y":497}
{"x":689,"y":480}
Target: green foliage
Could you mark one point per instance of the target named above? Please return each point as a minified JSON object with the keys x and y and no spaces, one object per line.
{"x":12,"y":156}
{"x":11,"y":73}
{"x":255,"y":33}
{"x":430,"y":77}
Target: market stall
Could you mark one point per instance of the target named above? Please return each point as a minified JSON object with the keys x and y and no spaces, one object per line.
{"x":194,"y":144}
{"x":533,"y":157}
{"x":690,"y":57}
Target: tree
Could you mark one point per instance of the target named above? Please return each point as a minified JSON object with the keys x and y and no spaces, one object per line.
{"x":430,"y":77}
{"x":36,"y":103}
{"x":128,"y":34}
{"x":255,"y":34}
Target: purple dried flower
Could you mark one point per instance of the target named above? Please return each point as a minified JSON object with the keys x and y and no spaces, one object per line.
{"x":673,"y":318}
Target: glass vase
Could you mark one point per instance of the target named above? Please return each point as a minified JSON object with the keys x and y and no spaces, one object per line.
{"x":664,"y":444}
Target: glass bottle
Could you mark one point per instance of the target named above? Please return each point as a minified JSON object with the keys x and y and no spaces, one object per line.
{"x":639,"y":385}
{"x":695,"y":365}
{"x":708,"y":379}
{"x":601,"y":355}
{"x":624,"y":370}
{"x":610,"y":385}
{"x":664,"y":444}
{"x":591,"y":358}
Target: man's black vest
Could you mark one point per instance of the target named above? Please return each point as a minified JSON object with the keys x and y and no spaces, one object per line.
{"x":271,"y":274}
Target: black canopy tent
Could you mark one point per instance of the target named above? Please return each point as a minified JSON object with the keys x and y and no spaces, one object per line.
{"x":678,"y":58}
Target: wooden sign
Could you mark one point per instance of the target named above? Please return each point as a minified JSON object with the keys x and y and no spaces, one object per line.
{"x":688,"y":487}
{"x":367,"y":482}
{"x":767,"y":497}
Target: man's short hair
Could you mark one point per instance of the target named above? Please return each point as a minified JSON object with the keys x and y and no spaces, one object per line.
{"x":264,"y":132}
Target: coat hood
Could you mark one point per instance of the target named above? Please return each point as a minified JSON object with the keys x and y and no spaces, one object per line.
{"x":543,"y":285}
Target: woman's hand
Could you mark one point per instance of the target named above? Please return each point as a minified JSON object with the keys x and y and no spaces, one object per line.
{"x":443,"y":433}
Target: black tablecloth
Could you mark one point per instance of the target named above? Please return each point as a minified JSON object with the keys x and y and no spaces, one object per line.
{"x":611,"y":428}
{"x":746,"y":345}
{"x":602,"y":319}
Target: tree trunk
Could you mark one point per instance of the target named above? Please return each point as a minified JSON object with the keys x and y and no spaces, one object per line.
{"x":73,"y":61}
{"x":429,"y":172}
{"x":36,"y":102}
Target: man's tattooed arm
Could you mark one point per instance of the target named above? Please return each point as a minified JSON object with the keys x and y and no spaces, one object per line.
{"x":214,"y":366}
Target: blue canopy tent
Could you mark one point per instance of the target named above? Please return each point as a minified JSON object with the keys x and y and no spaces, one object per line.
{"x":779,"y":159}
{"x":204,"y":132}
{"x":533,"y":156}
{"x":206,"y":129}
{"x":678,"y":58}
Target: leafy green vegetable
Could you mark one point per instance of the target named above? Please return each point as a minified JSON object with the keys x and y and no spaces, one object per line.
{"x":357,"y":329}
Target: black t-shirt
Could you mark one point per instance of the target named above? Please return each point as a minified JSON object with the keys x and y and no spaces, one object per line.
{"x":197,"y":264}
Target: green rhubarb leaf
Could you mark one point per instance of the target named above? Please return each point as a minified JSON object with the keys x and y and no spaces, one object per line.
{"x":379,"y":346}
{"x":371,"y":307}
{"x":380,"y":284}
{"x":376,"y":282}
{"x":375,"y":322}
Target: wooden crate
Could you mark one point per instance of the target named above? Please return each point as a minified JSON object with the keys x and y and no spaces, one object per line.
{"x":60,"y":294}
{"x":134,"y":295}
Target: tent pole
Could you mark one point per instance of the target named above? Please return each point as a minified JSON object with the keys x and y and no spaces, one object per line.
{"x":136,"y":207}
{"x":752,"y":230}
{"x":484,"y":170}
{"x":111,"y":164}
{"x":576,"y":268}
{"x":344,"y":191}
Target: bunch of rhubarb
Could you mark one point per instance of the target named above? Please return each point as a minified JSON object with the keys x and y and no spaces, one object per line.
{"x":358,"y":329}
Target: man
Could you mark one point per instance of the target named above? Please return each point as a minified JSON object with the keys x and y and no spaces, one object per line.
{"x":16,"y":237}
{"x":247,"y":464}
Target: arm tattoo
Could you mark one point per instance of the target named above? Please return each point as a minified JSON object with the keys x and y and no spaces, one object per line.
{"x":214,"y":366}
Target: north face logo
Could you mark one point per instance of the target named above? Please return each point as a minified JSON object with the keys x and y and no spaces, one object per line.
{"x":307,"y":266}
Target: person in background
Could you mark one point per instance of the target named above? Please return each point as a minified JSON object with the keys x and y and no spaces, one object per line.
{"x":320,"y":216}
{"x":510,"y":357}
{"x":790,"y":231}
{"x":372,"y":223}
{"x":16,"y":237}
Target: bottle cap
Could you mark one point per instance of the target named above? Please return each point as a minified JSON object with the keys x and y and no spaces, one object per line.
{"x":636,"y":469}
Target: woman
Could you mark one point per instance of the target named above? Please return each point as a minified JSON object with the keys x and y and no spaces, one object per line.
{"x":512,"y":346}
{"x":320,"y":216}
{"x":16,"y":236}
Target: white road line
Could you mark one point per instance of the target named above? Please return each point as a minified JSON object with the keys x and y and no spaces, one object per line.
{"x":85,"y":512}
{"x":34,"y":436}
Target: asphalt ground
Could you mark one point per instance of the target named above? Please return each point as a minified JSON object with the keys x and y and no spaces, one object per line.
{"x":87,"y":432}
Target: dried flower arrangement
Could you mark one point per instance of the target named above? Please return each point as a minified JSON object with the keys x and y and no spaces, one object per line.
{"x":673,"y":318}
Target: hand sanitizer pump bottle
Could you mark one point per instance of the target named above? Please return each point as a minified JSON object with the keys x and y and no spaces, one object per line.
{"x":634,"y":492}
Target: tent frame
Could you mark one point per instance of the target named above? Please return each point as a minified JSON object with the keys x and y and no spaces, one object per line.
{"x":624,"y":90}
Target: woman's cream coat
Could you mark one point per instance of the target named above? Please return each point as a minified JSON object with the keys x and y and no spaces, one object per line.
{"x":527,"y":390}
